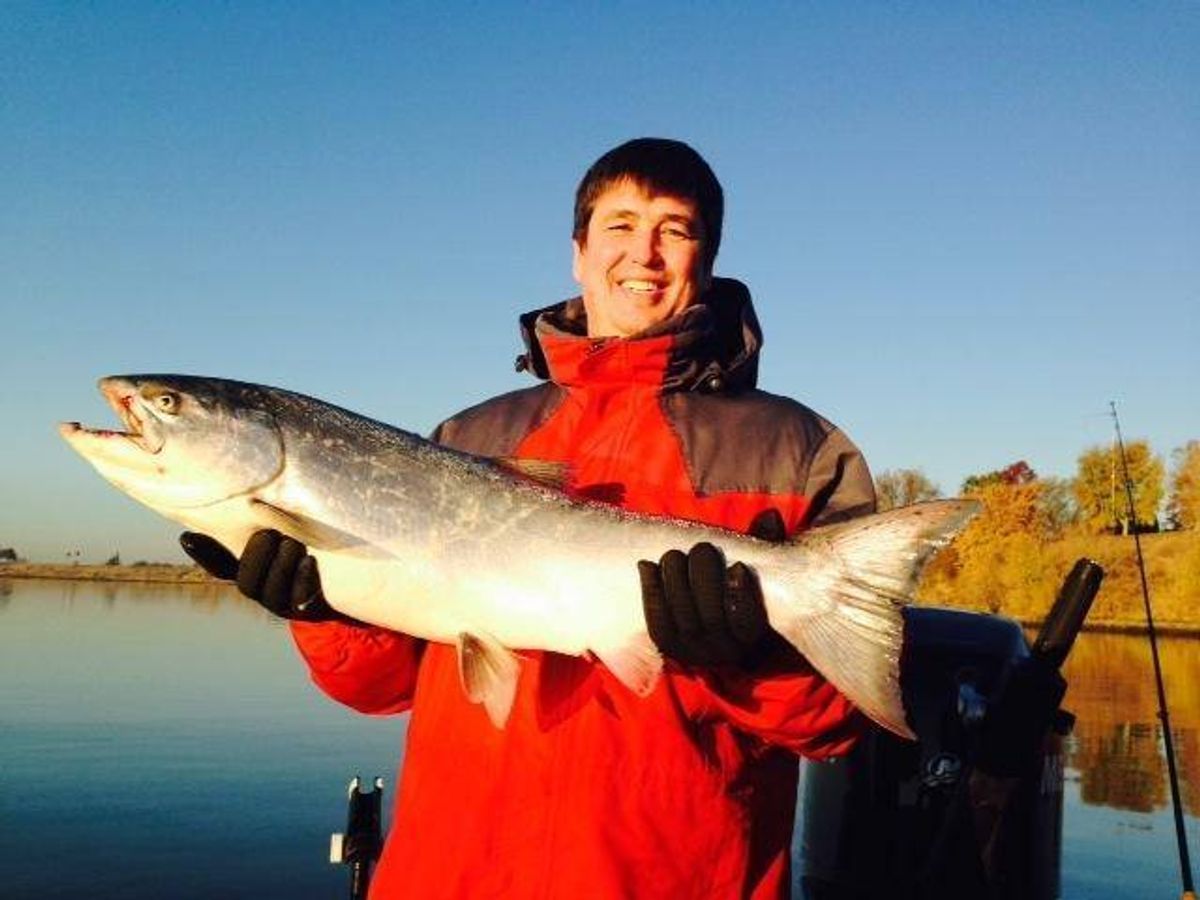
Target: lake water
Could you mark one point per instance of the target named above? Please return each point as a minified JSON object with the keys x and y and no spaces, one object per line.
{"x":164,"y":742}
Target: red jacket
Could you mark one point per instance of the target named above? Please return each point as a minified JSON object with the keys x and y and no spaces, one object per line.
{"x":590,"y":791}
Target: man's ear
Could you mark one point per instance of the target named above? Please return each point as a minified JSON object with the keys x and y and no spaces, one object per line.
{"x":576,"y":261}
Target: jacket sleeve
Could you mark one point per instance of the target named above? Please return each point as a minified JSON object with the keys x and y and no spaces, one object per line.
{"x":786,"y":702}
{"x":790,"y":706}
{"x":839,"y":484}
{"x":370,"y":669}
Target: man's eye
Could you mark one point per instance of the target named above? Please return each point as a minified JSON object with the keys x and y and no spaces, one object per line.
{"x":678,"y":233}
{"x":619,"y":226}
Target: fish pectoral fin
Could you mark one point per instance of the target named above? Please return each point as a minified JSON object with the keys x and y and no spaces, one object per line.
{"x":636,"y":664}
{"x":488,"y":671}
{"x":313,"y":533}
{"x":549,"y":473}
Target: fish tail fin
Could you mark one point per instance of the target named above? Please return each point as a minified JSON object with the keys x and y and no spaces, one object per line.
{"x":489,"y":672}
{"x":841,"y":606}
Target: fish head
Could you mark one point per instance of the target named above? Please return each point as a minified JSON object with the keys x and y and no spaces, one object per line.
{"x":189,"y":442}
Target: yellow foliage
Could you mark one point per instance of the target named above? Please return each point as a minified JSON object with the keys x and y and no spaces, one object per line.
{"x":996,"y":563}
{"x":1185,"y":486}
{"x":1018,"y":574}
{"x":1100,"y":485}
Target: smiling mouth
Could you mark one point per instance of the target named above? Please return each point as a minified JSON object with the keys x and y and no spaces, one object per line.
{"x":637,"y":286}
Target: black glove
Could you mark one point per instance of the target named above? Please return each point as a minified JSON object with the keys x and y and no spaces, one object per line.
{"x":1020,"y":713}
{"x":275,"y":571}
{"x":701,"y":613}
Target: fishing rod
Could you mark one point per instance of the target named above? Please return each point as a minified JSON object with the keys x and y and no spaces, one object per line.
{"x":1185,"y":866}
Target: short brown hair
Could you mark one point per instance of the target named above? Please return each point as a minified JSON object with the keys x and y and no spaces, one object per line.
{"x":658,"y":166}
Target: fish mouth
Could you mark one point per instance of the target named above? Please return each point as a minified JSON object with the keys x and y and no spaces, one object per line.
{"x":125,"y":400}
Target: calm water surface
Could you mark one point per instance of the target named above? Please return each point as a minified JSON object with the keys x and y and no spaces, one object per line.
{"x":164,"y":742}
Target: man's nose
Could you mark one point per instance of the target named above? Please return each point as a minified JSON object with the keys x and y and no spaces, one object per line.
{"x":645,"y":247}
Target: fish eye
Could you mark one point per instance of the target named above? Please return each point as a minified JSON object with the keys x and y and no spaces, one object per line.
{"x":167,"y":402}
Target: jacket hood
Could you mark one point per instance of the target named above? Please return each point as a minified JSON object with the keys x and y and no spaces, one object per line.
{"x":714,"y":344}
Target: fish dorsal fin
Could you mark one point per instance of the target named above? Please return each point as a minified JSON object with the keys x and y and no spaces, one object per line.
{"x":546,"y":472}
{"x":489,"y":673}
{"x":311,"y":532}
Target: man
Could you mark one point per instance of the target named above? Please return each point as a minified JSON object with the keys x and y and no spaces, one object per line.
{"x":648,"y":397}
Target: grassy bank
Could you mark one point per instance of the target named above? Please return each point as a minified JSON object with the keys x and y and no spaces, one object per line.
{"x":1018,"y":576}
{"x":149,"y":572}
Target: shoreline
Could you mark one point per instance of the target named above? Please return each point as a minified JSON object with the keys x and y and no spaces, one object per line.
{"x":161,"y":573}
{"x":182,"y":573}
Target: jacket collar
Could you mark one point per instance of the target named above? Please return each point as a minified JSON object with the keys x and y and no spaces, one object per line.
{"x":712,"y":346}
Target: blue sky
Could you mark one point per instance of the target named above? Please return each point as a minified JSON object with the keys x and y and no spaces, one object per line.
{"x":966,"y":226}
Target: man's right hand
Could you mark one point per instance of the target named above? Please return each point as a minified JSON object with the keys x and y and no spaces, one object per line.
{"x":698,"y":612}
{"x":274,"y":571}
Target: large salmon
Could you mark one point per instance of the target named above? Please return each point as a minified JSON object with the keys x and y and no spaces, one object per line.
{"x":481,"y":554}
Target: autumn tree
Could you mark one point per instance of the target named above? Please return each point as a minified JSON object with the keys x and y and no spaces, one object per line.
{"x":900,"y":487}
{"x":1183,"y":505}
{"x":1058,"y":504}
{"x":1017,"y":473}
{"x":997,"y":561}
{"x":1100,"y":487}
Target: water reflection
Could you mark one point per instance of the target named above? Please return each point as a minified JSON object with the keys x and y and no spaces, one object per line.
{"x":206,"y":594}
{"x":1116,"y":747}
{"x":1115,"y":750}
{"x":168,"y":728}
{"x":177,"y":716}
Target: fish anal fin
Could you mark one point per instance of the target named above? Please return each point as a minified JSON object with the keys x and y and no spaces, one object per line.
{"x":636,"y":664}
{"x":488,"y":672}
{"x":311,"y":532}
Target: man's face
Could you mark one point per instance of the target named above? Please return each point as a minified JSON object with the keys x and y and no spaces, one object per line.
{"x":641,"y":262}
